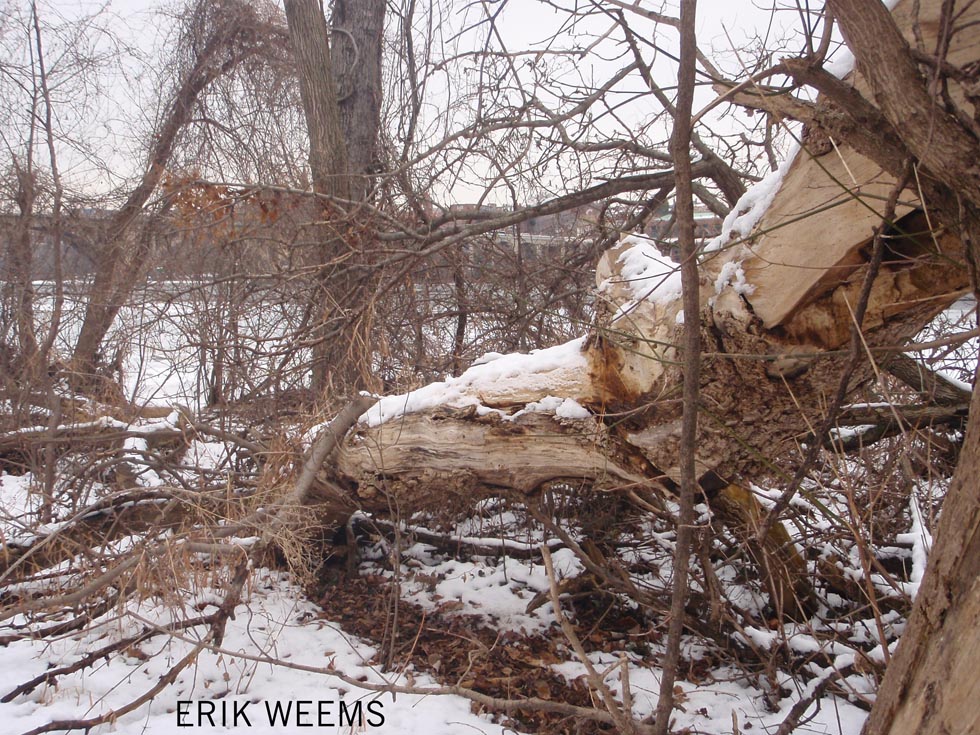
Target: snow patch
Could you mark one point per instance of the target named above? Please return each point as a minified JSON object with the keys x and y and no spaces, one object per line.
{"x":921,"y":541}
{"x":572,"y":409}
{"x":273,"y":625}
{"x":650,"y":275}
{"x":732,"y":275}
{"x":490,"y":376}
{"x":498,"y":592}
{"x":747,"y":212}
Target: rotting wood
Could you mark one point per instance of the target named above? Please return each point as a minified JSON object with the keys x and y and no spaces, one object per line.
{"x":794,"y":256}
{"x":755,"y":411}
{"x":774,"y":360}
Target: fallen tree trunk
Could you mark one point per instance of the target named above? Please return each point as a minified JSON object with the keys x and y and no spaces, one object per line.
{"x":604,"y":410}
{"x":776,"y":311}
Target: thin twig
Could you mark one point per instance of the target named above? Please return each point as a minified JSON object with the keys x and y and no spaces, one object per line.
{"x":623,"y":718}
{"x":680,"y":148}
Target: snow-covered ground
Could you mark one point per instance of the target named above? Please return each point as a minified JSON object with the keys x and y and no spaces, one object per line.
{"x":280,"y":652}
{"x":237,"y":688}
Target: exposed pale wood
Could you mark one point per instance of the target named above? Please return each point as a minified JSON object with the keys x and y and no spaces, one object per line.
{"x":796,"y":253}
{"x":772,"y":362}
{"x":423,"y":460}
{"x":828,"y":204}
{"x":754,"y":411}
{"x":914,"y":274}
{"x":944,"y":149}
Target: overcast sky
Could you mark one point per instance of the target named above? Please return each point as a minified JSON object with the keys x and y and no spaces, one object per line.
{"x":724,"y":28}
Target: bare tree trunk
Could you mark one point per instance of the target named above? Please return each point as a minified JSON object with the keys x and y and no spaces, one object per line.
{"x":328,"y":151}
{"x":57,"y":196}
{"x":356,"y":50}
{"x":931,"y":686}
{"x":457,"y":259}
{"x":343,"y":133}
{"x":329,"y":167}
{"x":20,"y":269}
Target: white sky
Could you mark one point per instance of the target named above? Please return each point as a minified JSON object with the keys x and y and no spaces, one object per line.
{"x":119,"y":131}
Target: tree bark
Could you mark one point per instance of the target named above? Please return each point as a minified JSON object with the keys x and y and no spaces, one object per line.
{"x":884,"y":59}
{"x":773,"y":359}
{"x":20,"y":268}
{"x":931,"y":686}
{"x":936,"y":389}
{"x":877,"y":123}
{"x":680,"y":152}
{"x":328,"y":151}
{"x":343,"y":133}
{"x":357,"y":29}
{"x":760,"y":390}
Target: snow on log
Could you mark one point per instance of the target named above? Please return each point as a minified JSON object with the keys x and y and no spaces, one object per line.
{"x":780,"y":286}
{"x":605,"y":408}
{"x":779,"y":290}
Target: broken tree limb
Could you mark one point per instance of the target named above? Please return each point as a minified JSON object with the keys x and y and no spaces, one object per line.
{"x":935,"y":387}
{"x":326,"y":444}
{"x":779,"y":296}
{"x":461,"y":451}
{"x":847,"y":181}
{"x":871,"y":425}
{"x":506,"y":425}
{"x":289,"y":509}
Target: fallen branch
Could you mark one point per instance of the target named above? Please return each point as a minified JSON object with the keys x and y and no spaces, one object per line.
{"x":622,"y":719}
{"x":934,"y":386}
{"x":472,"y":546}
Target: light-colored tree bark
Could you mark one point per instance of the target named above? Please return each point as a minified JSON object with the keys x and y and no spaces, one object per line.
{"x":308,"y":36}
